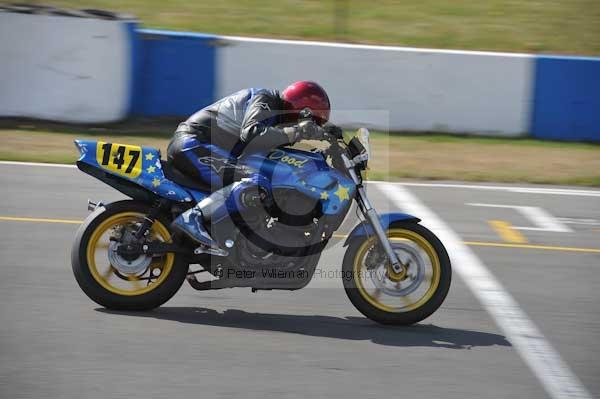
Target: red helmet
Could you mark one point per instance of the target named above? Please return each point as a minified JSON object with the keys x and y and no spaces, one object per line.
{"x":305,"y":94}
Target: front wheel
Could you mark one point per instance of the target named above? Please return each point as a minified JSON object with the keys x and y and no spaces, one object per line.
{"x":132,"y":282}
{"x":403,"y":298}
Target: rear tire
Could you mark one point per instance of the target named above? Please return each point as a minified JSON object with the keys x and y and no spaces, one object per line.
{"x":382,"y":313}
{"x":98,"y":288}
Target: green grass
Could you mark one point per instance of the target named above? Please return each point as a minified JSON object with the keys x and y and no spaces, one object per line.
{"x":485,"y":159}
{"x":542,"y":26}
{"x":396,"y":156}
{"x":436,"y":138}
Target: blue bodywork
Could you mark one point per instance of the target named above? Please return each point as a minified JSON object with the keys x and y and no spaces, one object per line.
{"x":303,"y":171}
{"x":365,"y":229}
{"x":306,"y":172}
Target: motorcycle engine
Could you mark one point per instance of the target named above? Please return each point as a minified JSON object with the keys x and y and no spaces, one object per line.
{"x":277,"y":232}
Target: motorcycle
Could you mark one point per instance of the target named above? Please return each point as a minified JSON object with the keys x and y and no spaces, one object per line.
{"x":127,"y":257}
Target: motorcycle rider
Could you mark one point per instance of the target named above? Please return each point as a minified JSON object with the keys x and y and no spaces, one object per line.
{"x":248,"y":121}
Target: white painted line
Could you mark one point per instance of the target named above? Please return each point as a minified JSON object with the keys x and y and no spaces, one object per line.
{"x":544,"y":220}
{"x":582,"y":221}
{"x":553,"y":373}
{"x":538,"y":216}
{"x":52,"y":165}
{"x":289,"y":42}
{"x":512,"y":189}
{"x":370,"y":47}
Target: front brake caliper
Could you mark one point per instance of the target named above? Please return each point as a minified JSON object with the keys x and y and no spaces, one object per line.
{"x":375,"y":257}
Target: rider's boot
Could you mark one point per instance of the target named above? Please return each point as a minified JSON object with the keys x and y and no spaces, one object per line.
{"x":238,"y":196}
{"x":191,"y":224}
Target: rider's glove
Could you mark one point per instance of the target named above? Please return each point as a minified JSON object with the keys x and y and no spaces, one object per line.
{"x":309,"y":130}
{"x":292,"y":132}
{"x":333,"y":130}
{"x":305,"y":130}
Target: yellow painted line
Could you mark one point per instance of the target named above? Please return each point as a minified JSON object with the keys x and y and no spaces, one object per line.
{"x":523,"y":246}
{"x":532,"y":246}
{"x":40,"y":220}
{"x":507,"y":232}
{"x":337,"y":235}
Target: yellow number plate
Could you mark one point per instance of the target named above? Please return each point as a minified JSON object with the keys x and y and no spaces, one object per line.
{"x":122,"y":159}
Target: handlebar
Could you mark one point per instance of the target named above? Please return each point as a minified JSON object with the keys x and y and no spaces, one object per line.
{"x":307,"y":115}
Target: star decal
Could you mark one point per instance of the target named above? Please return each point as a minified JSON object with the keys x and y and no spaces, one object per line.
{"x":151,"y":169}
{"x":313,"y":189}
{"x":342,"y":193}
{"x":324,"y":195}
{"x":155,"y":182}
{"x":149,"y":157}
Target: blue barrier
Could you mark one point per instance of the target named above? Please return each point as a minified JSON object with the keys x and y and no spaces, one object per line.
{"x":566,"y":98}
{"x":175,"y":72}
{"x":134,"y":64}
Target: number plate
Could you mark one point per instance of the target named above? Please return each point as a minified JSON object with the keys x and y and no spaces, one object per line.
{"x":122,"y":159}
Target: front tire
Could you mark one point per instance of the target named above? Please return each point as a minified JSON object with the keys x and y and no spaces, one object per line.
{"x":398,"y":298}
{"x":141,"y":283}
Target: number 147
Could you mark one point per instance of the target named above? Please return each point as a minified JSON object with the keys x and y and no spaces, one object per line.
{"x":118,"y":158}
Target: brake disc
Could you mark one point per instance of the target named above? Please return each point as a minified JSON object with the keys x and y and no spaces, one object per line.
{"x":126,"y":265}
{"x":414,"y":275}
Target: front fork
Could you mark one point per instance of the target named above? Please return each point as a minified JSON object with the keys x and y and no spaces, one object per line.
{"x":373,"y":218}
{"x":371,"y":214}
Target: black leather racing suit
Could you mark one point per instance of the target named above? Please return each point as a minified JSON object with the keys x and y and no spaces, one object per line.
{"x":243,"y":122}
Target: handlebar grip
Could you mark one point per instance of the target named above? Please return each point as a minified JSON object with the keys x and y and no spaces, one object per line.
{"x":334,"y":131}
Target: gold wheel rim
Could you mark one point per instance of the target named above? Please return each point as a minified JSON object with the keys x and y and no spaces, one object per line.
{"x":105,"y":276}
{"x":405,"y":235}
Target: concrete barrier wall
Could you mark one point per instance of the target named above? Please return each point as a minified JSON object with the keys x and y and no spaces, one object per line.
{"x":65,"y":68}
{"x":422,"y":90}
{"x":390,"y":88}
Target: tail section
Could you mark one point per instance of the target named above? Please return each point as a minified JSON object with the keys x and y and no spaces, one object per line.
{"x":133,"y":164}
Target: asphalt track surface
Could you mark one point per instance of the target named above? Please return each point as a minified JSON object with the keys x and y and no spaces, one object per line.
{"x":56,"y":343}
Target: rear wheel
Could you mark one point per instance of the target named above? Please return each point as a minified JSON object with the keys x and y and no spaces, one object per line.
{"x":134,"y":282}
{"x":403,"y":298}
